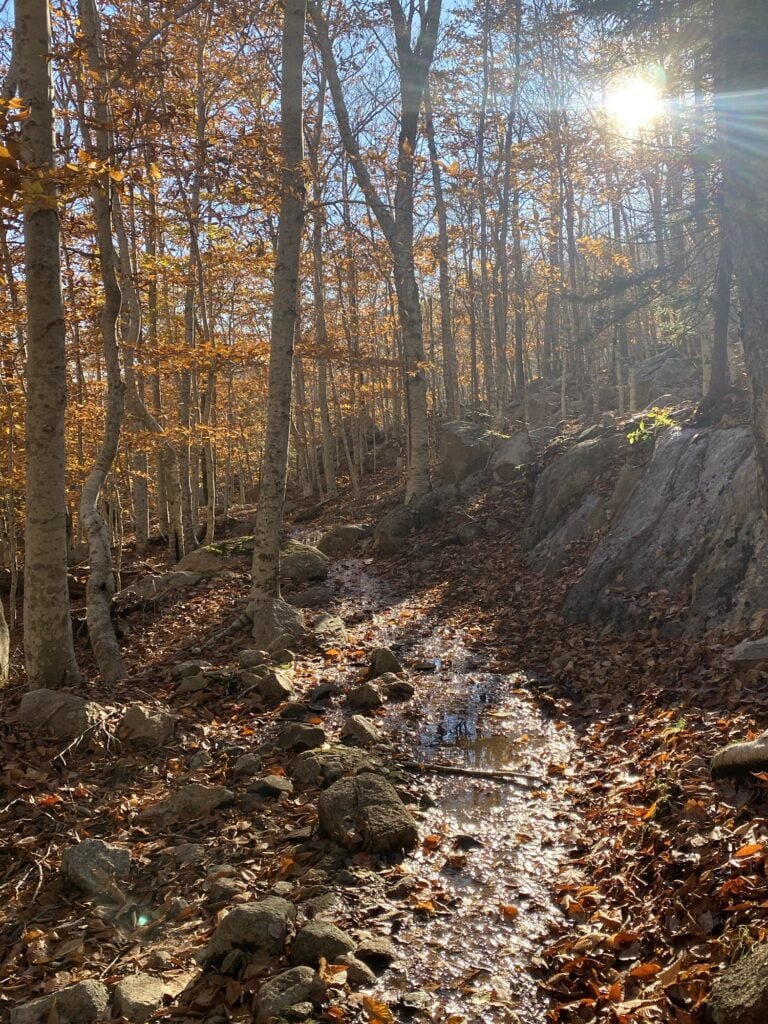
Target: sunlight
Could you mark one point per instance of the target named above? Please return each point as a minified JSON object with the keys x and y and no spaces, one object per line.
{"x":633,"y":102}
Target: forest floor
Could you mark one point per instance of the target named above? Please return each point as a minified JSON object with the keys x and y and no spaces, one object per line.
{"x":594,"y":872}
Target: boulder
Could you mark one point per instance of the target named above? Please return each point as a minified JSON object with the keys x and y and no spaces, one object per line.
{"x":146,"y":727}
{"x":465,"y":448}
{"x":91,"y":864}
{"x":750,"y":653}
{"x":138,"y":996}
{"x":301,"y":563}
{"x":320,"y":939}
{"x":666,"y":371}
{"x":323,"y":767}
{"x":340,"y":540}
{"x":378,"y":951}
{"x":83,"y":1003}
{"x":272,"y":786}
{"x":247,"y":765}
{"x":296,"y":985}
{"x":360,"y":732}
{"x":252,"y":927}
{"x":393,"y":529}
{"x":382,"y":660}
{"x":190,"y":668}
{"x":191,"y":801}
{"x":317,"y":596}
{"x":394,"y":688}
{"x":692,"y":530}
{"x":366,"y":695}
{"x":56,"y":713}
{"x":740,"y":994}
{"x":299,"y":736}
{"x":156,"y":588}
{"x":208,"y":561}
{"x":330,"y":631}
{"x":359,"y":974}
{"x":276,"y":685}
{"x":512,"y":455}
{"x":365,"y":812}
{"x":251,"y":658}
{"x":739,"y":759}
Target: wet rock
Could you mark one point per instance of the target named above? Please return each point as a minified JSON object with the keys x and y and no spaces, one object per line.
{"x":330,"y":631}
{"x":192,"y":801}
{"x":83,"y":1003}
{"x":146,"y":727}
{"x":58,"y":714}
{"x":317,"y":596}
{"x":740,"y":994}
{"x":296,"y":985}
{"x":340,"y":540}
{"x":359,"y":974}
{"x":301,"y":563}
{"x":739,"y":759}
{"x":325,"y":903}
{"x":299,"y":737}
{"x":324,"y":767}
{"x":366,"y":695}
{"x":250,"y":658}
{"x":365,"y":812}
{"x":750,"y":653}
{"x":138,"y":996}
{"x":252,"y":927}
{"x":360,"y":732}
{"x":394,"y":688}
{"x":377,"y":951}
{"x":383,"y":660}
{"x":284,"y":657}
{"x":91,"y":864}
{"x":272,"y":786}
{"x":247,"y":765}
{"x":417,"y":1001}
{"x":320,"y":939}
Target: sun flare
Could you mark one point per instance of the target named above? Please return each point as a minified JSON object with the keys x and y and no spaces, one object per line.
{"x":634,"y":103}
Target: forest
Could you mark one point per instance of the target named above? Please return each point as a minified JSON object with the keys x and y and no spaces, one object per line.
{"x":384,"y":511}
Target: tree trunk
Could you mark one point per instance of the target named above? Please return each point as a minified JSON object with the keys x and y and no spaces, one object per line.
{"x":719,"y":380}
{"x":48,"y":647}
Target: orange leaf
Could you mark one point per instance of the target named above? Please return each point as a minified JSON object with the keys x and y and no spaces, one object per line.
{"x":508,"y":911}
{"x":749,"y":850}
{"x":645,"y":971}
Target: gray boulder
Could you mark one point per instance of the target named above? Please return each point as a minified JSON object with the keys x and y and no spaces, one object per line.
{"x":299,"y":736}
{"x":739,"y":759}
{"x":91,"y":864}
{"x":360,"y":732}
{"x":366,"y":695}
{"x":301,"y":563}
{"x":156,"y":588}
{"x":83,"y":1003}
{"x":317,"y":596}
{"x":250,"y":658}
{"x":58,"y":714}
{"x":320,"y":939}
{"x":740,"y":994}
{"x":750,"y":653}
{"x":272,"y":786}
{"x":359,"y":974}
{"x":252,"y":927}
{"x":323,"y":767}
{"x":378,"y":951}
{"x":146,"y":727}
{"x":667,"y":371}
{"x":512,"y":454}
{"x":340,"y":540}
{"x":383,"y":660}
{"x":247,"y":765}
{"x":191,"y":801}
{"x":138,"y":996}
{"x":365,"y":812}
{"x":297,"y":985}
{"x":465,"y":448}
{"x":276,"y":685}
{"x":393,"y":529}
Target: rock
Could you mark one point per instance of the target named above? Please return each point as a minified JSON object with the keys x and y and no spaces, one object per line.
{"x":324,"y":692}
{"x":417,"y":1001}
{"x":666,"y":371}
{"x":251,"y":658}
{"x":191,"y":801}
{"x":83,"y":1003}
{"x":146,"y":727}
{"x":340,"y":540}
{"x":512,"y":456}
{"x":288,"y":622}
{"x":359,"y":974}
{"x":393,"y":529}
{"x":750,"y":653}
{"x":294,"y":711}
{"x":377,"y":951}
{"x":138,"y":996}
{"x":284,"y":657}
{"x":155,"y":588}
{"x":92,"y":863}
{"x":188,"y":853}
{"x":383,"y":660}
{"x":394,"y":688}
{"x":739,"y":759}
{"x":190,"y":668}
{"x":298,"y":737}
{"x":252,"y":927}
{"x":740,"y":994}
{"x":317,"y":596}
{"x":272,"y":786}
{"x":468,"y":533}
{"x":360,"y":732}
{"x":246,"y":765}
{"x":276,"y":685}
{"x":192,"y":684}
{"x":320,"y":939}
{"x":301,"y":563}
{"x":323,"y":767}
{"x":365,"y":812}
{"x":693,"y":529}
{"x":208,"y":561}
{"x":64,"y":716}
{"x":330,"y":631}
{"x":366,"y":695}
{"x":296,"y":985}
{"x":465,"y":448}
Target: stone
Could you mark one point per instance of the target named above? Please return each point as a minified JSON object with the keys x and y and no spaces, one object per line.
{"x":188,"y":853}
{"x":146,"y":727}
{"x":383,"y":660}
{"x":190,"y":668}
{"x":393,"y":529}
{"x":296,"y":985}
{"x":138,"y":996}
{"x":83,"y":1003}
{"x":750,"y":653}
{"x":512,"y":456}
{"x":394,"y":688}
{"x":272,"y":786}
{"x":330,"y":631}
{"x":340,"y":540}
{"x":320,"y":939}
{"x":317,"y":596}
{"x":58,"y":714}
{"x":154,"y":589}
{"x":252,"y":927}
{"x":247,"y":765}
{"x":324,"y":691}
{"x":377,"y":951}
{"x":365,"y":812}
{"x":664,"y":372}
{"x":192,"y":684}
{"x":366,"y":695}
{"x":92,"y":863}
{"x":468,"y":533}
{"x":276,"y":685}
{"x":359,"y":974}
{"x":740,"y":994}
{"x":251,"y":658}
{"x":294,"y":711}
{"x":284,"y":657}
{"x":360,"y":732}
{"x":301,"y":563}
{"x":465,"y":448}
{"x":739,"y":759}
{"x":208,"y":561}
{"x":323,"y":767}
{"x":191,"y":801}
{"x":298,"y":737}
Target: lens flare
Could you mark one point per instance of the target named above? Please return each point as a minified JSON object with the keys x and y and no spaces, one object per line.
{"x":634,"y":102}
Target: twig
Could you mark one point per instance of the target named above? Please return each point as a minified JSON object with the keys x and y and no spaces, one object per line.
{"x":500,"y":775}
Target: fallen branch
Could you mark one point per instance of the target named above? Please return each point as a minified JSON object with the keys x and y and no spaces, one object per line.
{"x":500,"y":775}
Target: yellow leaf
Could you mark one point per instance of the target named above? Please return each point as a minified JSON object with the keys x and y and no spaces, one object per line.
{"x":155,"y":173}
{"x":378,"y":1012}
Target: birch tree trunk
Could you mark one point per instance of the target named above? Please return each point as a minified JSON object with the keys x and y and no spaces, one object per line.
{"x":48,"y":646}
{"x":271,"y":614}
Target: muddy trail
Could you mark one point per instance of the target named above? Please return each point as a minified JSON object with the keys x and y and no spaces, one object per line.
{"x":496,"y":821}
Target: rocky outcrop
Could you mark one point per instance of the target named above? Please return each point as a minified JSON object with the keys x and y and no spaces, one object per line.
{"x":666,"y":371}
{"x":692,"y":531}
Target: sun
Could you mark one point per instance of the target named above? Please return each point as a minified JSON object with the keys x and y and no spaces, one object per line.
{"x":633,"y":102}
